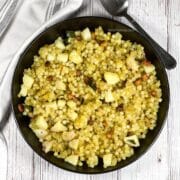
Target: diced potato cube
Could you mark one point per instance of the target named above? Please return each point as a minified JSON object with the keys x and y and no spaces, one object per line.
{"x":118,"y":36}
{"x":23,"y":91}
{"x":62,"y":57}
{"x":72,"y":114}
{"x":91,"y":68}
{"x":68,"y":136}
{"x":41,"y":122}
{"x":75,"y":57}
{"x":74,"y":144}
{"x":43,"y":52}
{"x":81,"y":122}
{"x":111,"y":78}
{"x":61,"y":103}
{"x":49,"y":96}
{"x":77,"y":33}
{"x":47,"y":146}
{"x":39,"y":70}
{"x":59,"y":127}
{"x":28,"y":81}
{"x":60,"y":85}
{"x":71,"y":104}
{"x":40,"y":133}
{"x":51,"y":57}
{"x":132,"y":63}
{"x":132,"y":141}
{"x":92,"y":161}
{"x":51,"y":105}
{"x":59,"y":43}
{"x":109,"y":96}
{"x":86,"y":34}
{"x":114,"y":161}
{"x":72,"y":159}
{"x":149,"y":68}
{"x":107,"y":160}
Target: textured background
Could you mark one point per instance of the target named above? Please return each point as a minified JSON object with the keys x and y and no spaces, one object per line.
{"x":161,"y":19}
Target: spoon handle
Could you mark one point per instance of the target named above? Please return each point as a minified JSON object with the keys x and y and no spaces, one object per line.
{"x":168,"y":61}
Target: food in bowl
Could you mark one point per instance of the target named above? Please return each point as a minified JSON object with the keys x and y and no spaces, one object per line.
{"x":91,"y":95}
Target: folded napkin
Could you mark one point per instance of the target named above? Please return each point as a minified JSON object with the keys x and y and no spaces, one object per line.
{"x":28,"y":19}
{"x":30,"y":16}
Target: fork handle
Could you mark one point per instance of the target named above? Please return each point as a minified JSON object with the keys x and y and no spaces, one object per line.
{"x":168,"y":61}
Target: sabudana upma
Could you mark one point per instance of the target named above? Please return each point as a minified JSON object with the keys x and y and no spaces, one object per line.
{"x":91,"y":95}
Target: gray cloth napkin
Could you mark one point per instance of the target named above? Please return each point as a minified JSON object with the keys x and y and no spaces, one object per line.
{"x":30,"y":17}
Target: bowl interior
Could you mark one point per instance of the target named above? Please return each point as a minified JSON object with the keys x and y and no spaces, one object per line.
{"x":48,"y":36}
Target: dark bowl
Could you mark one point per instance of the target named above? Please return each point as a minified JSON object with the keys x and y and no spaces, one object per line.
{"x":48,"y":36}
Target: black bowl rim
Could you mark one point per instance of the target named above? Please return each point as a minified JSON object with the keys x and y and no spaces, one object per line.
{"x":165,"y":77}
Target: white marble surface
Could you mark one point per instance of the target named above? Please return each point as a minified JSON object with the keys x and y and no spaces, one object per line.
{"x":161,"y":19}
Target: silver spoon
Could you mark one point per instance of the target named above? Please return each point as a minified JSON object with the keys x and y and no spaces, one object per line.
{"x":119,"y":8}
